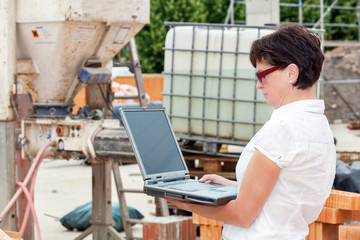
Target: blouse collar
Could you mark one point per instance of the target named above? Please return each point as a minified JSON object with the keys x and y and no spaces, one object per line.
{"x":315,"y":106}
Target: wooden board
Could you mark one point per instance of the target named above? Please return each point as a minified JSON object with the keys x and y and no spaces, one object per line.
{"x":338,"y":216}
{"x":197,"y":219}
{"x":223,"y":166}
{"x":343,"y":200}
{"x":209,"y":229}
{"x":349,"y":231}
{"x":322,"y":231}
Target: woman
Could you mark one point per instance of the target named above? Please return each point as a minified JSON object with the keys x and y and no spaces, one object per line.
{"x":286,"y":171}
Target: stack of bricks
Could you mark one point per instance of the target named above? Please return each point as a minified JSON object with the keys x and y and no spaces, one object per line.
{"x":341,"y":207}
{"x":209,"y":229}
{"x":169,"y":228}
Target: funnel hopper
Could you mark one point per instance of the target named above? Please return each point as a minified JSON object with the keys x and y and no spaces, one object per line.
{"x":56,"y":38}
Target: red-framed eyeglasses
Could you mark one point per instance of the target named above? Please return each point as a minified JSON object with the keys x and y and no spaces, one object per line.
{"x":262,"y":74}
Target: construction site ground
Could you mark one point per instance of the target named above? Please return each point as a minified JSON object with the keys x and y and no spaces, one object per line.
{"x":63,"y":185}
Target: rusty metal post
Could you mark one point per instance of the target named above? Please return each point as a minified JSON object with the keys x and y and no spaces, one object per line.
{"x":101,"y":195}
{"x":22,"y":166}
{"x":101,"y":222}
{"x":137,"y":72}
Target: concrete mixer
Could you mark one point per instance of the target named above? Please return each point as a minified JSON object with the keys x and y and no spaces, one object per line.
{"x":61,"y":47}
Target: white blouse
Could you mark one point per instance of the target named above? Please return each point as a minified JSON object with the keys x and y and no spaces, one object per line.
{"x":299,"y":140}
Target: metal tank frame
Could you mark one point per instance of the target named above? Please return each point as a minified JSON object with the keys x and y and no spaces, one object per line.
{"x":203,"y":137}
{"x":211,"y":144}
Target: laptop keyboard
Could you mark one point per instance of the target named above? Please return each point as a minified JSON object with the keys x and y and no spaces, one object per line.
{"x":193,"y":186}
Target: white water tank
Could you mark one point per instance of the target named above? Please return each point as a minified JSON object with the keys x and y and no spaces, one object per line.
{"x":209,"y":83}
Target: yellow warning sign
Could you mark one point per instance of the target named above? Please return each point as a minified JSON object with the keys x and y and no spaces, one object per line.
{"x":35,"y":33}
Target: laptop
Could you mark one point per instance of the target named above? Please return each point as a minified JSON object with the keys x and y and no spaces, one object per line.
{"x":161,"y":162}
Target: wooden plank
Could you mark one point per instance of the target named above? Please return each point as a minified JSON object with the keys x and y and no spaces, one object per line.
{"x":349,"y":231}
{"x":338,"y":216}
{"x":354,"y":125}
{"x":211,"y":166}
{"x":205,"y":221}
{"x":209,"y":229}
{"x":322,"y":231}
{"x":343,"y":200}
{"x":223,"y":166}
{"x":348,"y":156}
{"x":208,"y":232}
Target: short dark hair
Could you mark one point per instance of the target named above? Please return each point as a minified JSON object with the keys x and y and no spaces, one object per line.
{"x":291,"y":43}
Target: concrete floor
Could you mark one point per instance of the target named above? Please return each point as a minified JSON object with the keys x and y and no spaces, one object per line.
{"x":63,"y":185}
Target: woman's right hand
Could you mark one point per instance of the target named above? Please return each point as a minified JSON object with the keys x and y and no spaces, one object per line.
{"x":214,"y":178}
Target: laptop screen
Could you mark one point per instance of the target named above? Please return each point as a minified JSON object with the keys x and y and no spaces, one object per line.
{"x":154,"y":140}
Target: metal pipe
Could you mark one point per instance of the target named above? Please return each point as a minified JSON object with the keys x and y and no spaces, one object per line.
{"x":217,"y":120}
{"x":321,"y":19}
{"x":322,"y":14}
{"x":191,"y":77}
{"x":235,"y":85}
{"x":213,"y":98}
{"x":341,"y":81}
{"x":209,"y":76}
{"x":316,"y":6}
{"x":130,"y":190}
{"x":334,"y":25}
{"x":204,"y":84}
{"x":358,"y":19}
{"x":300,"y":11}
{"x":137,"y":72}
{"x":214,"y":25}
{"x":219,"y":83}
{"x":27,"y":178}
{"x":230,"y":13}
{"x":172,"y":70}
{"x":204,"y":51}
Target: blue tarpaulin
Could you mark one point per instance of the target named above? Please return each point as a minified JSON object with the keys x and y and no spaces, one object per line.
{"x":80,"y":217}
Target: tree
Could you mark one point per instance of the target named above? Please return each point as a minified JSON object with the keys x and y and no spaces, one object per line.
{"x":311,"y":15}
{"x":150,"y":41}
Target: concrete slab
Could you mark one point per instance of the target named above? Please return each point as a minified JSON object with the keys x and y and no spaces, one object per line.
{"x":63,"y":185}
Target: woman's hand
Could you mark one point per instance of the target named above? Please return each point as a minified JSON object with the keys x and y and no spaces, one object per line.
{"x":213,"y":178}
{"x":257,"y":184}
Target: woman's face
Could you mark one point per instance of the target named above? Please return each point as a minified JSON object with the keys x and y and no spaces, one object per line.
{"x":275,"y":86}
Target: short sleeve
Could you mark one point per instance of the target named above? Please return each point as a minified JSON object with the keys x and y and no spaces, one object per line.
{"x":274,"y":140}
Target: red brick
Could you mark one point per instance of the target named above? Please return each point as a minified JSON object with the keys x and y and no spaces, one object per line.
{"x":169,"y":228}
